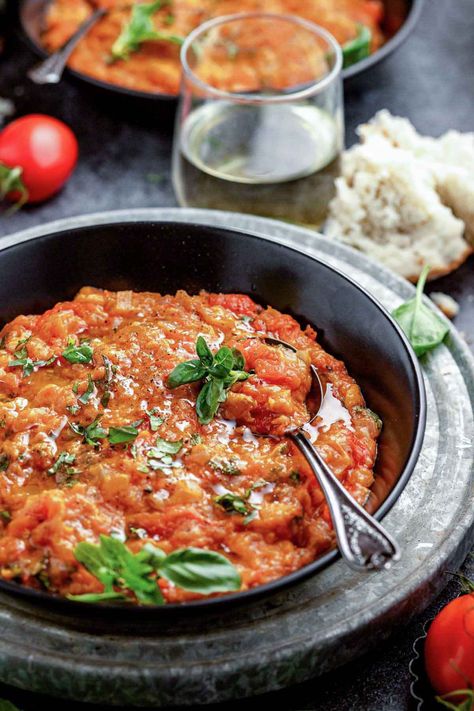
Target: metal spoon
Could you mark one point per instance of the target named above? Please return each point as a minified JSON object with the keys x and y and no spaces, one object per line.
{"x":363,"y":542}
{"x":51,"y":69}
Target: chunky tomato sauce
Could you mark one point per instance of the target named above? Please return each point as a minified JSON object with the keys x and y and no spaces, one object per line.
{"x":156,"y":66}
{"x":137,"y":339}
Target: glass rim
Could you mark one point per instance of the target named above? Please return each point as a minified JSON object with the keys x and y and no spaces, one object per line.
{"x":314,"y":88}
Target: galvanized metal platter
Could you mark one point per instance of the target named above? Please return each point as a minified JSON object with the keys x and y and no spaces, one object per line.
{"x":301,"y":632}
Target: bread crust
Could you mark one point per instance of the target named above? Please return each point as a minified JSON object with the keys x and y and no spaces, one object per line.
{"x":438,"y":272}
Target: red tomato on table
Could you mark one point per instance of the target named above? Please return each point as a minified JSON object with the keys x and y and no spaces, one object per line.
{"x":449,"y":646}
{"x":37,"y":155}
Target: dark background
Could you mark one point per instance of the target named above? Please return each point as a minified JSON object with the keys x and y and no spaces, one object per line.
{"x":125,"y":163}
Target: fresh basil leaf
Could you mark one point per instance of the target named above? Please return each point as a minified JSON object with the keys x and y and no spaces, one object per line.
{"x":86,"y":395}
{"x":140,"y":29}
{"x":200,"y":571}
{"x":239,"y":360}
{"x":358,"y":48}
{"x":225,"y":358}
{"x":203,"y":351}
{"x":91,"y":558}
{"x":424,"y":328}
{"x":4,"y":462}
{"x":114,"y":565}
{"x":133,"y":570}
{"x":121,"y":435}
{"x":155,"y":555}
{"x":188,"y":372}
{"x":78,"y":354}
{"x":64,"y":459}
{"x":208,"y":400}
{"x":218,"y":373}
{"x":234,"y":377}
{"x":231,"y":503}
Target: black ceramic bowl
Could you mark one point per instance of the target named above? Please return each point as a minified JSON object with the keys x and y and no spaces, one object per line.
{"x":168,"y":256}
{"x":400,"y":19}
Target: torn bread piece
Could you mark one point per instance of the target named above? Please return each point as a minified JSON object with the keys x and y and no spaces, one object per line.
{"x":387,"y":206}
{"x":450,"y":157}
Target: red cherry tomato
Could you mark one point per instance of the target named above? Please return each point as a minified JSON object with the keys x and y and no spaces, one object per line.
{"x":449,"y":647}
{"x":44,"y":148}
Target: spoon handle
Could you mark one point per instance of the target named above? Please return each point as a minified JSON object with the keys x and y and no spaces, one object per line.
{"x":363,"y":542}
{"x":51,"y":69}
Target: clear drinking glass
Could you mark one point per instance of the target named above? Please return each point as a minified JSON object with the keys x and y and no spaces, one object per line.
{"x":260,"y":122}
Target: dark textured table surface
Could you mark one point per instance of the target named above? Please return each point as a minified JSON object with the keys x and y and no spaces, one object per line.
{"x":125,"y":163}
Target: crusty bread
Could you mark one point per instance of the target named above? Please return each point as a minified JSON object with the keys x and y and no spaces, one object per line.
{"x":404,"y":199}
{"x":451,"y":158}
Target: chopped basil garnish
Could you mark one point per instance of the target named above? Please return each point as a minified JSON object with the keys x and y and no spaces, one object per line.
{"x":110,"y":371}
{"x":140,"y":28}
{"x":155,"y":420}
{"x":92,"y":434}
{"x":231,"y":503}
{"x":161,"y":455}
{"x":219,"y":372}
{"x":121,"y":571}
{"x":166,"y":446}
{"x":63,"y":461}
{"x":226,"y":466}
{"x":78,"y":354}
{"x":122,"y":435}
{"x":424,"y":328}
{"x":5,"y":516}
{"x":28,"y":365}
{"x":86,"y":395}
{"x":4,"y":462}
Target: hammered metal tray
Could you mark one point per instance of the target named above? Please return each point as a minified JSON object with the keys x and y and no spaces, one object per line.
{"x":304,"y":631}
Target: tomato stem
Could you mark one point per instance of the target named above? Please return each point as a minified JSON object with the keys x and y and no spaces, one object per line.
{"x":11,"y":182}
